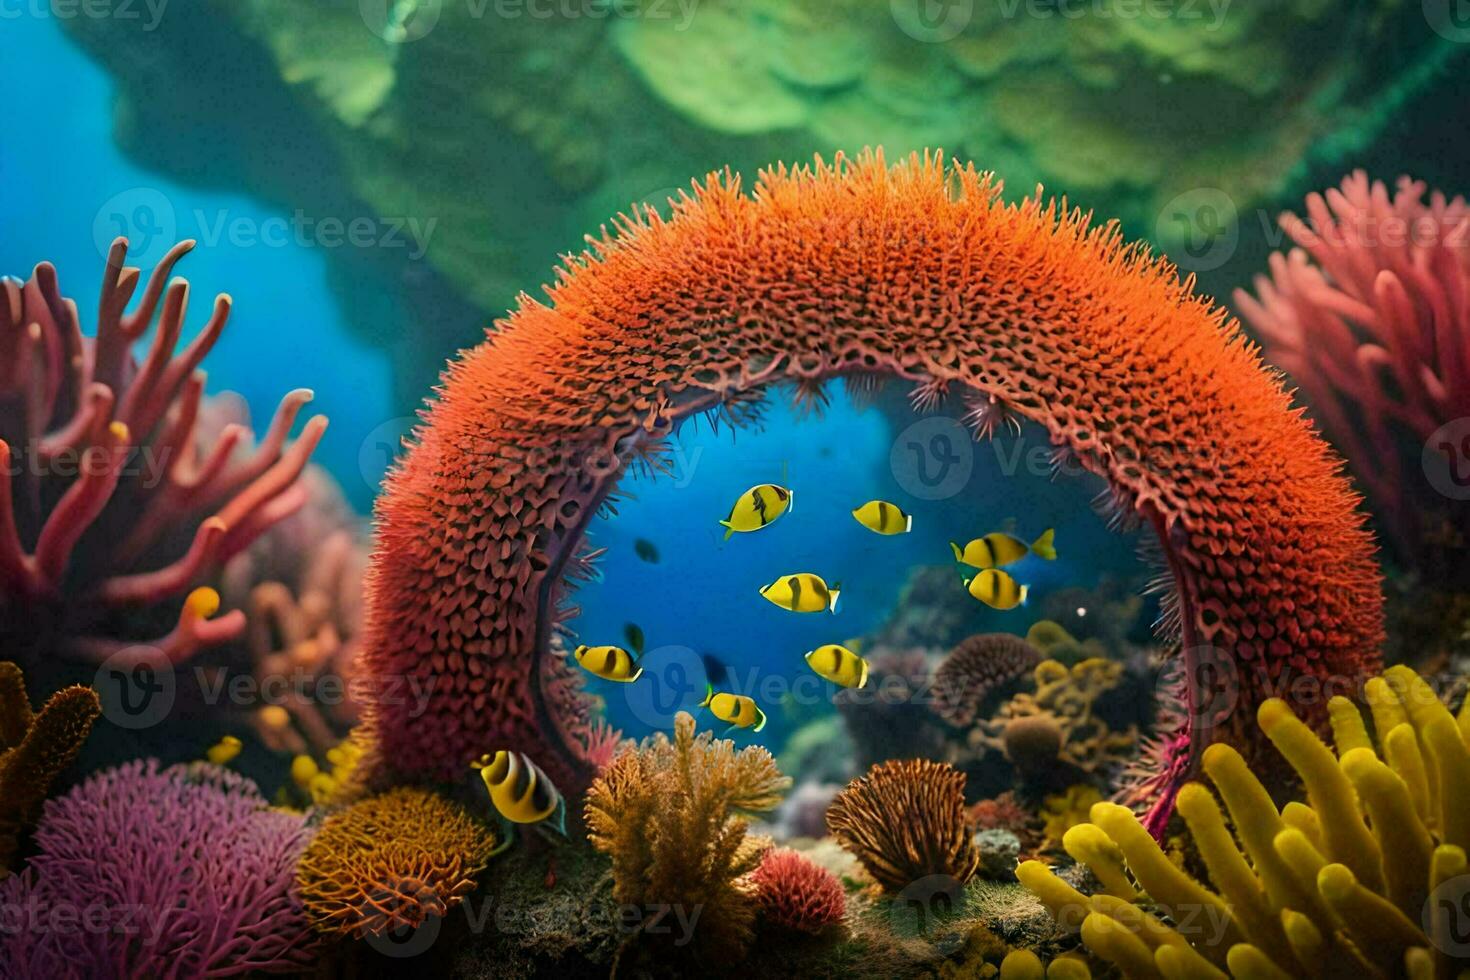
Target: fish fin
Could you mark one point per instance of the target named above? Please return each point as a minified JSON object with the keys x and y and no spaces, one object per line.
{"x":561,"y":815}
{"x":762,"y":723}
{"x":709,"y":694}
{"x":729,"y":529}
{"x":634,"y":635}
{"x":834,"y":592}
{"x":959,"y":554}
{"x":1043,"y":547}
{"x":908,"y":523}
{"x":636,"y":674}
{"x":507,"y":834}
{"x":715,"y":670}
{"x":863,"y":677}
{"x":790,"y":498}
{"x":1025,"y":591}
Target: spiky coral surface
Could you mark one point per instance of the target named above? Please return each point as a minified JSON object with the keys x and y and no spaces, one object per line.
{"x":917,"y":272}
{"x":795,"y":893}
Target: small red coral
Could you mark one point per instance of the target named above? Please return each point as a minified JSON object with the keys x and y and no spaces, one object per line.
{"x":796,"y":893}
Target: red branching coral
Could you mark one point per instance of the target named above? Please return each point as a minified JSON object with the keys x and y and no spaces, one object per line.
{"x":977,"y":666}
{"x":920,"y":272}
{"x":906,"y":821}
{"x":795,"y":893}
{"x":108,"y":502}
{"x":1371,"y":316}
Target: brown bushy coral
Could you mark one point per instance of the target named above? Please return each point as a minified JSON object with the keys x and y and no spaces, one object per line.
{"x":34,"y":749}
{"x":977,"y":667}
{"x":390,"y":861}
{"x":905,"y":821}
{"x":111,"y":505}
{"x":667,"y":813}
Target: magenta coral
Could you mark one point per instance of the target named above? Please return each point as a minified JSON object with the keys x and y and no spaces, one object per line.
{"x":1370,"y":314}
{"x":108,"y":501}
{"x":796,"y":893}
{"x":149,"y":872}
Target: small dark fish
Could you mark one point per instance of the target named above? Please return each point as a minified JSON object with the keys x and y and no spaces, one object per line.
{"x":646,"y":550}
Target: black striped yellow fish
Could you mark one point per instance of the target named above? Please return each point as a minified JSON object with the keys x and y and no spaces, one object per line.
{"x":838,"y":664}
{"x":737,"y":710}
{"x":520,"y":791}
{"x":997,"y":589}
{"x":756,"y":508}
{"x":614,"y":663}
{"x":803,"y":592}
{"x":998,"y":549}
{"x":883,"y":517}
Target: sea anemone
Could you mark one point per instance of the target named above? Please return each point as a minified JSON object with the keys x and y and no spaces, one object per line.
{"x":34,"y":749}
{"x":669,"y":814}
{"x":905,"y":821}
{"x":391,"y":861}
{"x":795,"y":893}
{"x":1365,"y":878}
{"x":1370,"y":314}
{"x":182,"y":871}
{"x":110,"y":508}
{"x":918,"y":272}
{"x":977,"y":667}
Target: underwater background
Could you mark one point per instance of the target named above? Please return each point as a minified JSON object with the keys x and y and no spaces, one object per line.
{"x":376,"y":184}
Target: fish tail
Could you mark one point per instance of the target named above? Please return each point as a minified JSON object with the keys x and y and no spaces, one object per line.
{"x":729,"y":529}
{"x":959,"y":554}
{"x":908,"y":524}
{"x":834,"y":592}
{"x":636,"y":674}
{"x":1025,"y":590}
{"x":863,"y":673}
{"x":1043,"y":547}
{"x":790,"y":501}
{"x":762,"y":723}
{"x":709,"y":694}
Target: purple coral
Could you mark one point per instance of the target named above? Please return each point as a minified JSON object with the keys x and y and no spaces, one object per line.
{"x":150,"y":872}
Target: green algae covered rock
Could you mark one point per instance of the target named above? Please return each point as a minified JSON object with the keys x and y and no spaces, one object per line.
{"x":515,"y":126}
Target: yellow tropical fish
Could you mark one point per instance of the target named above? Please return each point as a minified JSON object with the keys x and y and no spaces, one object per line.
{"x":521,"y":792}
{"x":883,"y":517}
{"x":997,"y":589}
{"x":757,"y":507}
{"x":838,"y":664}
{"x":224,"y":752}
{"x":736,"y":709}
{"x":609,"y":663}
{"x":803,"y":593}
{"x":998,"y":549}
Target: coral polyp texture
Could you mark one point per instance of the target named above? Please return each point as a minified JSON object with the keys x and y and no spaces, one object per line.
{"x":34,"y":748}
{"x":671,"y":815}
{"x":917,"y":272}
{"x":111,"y":507}
{"x":905,"y":821}
{"x":1370,"y":314}
{"x":175,"y":872}
{"x":795,"y":893}
{"x":1367,"y":877}
{"x":978,"y":666}
{"x":391,"y":861}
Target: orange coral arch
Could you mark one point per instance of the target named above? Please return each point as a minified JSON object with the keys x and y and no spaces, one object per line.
{"x":919,"y":272}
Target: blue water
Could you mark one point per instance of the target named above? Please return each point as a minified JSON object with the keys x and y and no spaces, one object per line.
{"x":66,"y":191}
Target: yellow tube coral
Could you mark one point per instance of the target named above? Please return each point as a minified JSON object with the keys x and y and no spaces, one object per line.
{"x":1341,"y":887}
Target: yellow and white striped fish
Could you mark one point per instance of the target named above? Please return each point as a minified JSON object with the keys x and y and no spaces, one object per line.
{"x":883,"y":517}
{"x":520,"y":791}
{"x":838,"y":664}
{"x":737,"y":710}
{"x":997,"y":589}
{"x":803,"y":592}
{"x":610,"y":663}
{"x":756,"y":508}
{"x":998,"y":549}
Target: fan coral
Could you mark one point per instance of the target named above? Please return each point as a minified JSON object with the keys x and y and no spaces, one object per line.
{"x":391,"y":861}
{"x":1371,"y":315}
{"x":794,"y":893}
{"x":34,"y":749}
{"x":1060,"y":723}
{"x":103,"y":481}
{"x":168,"y":872}
{"x":666,"y":811}
{"x":905,"y":821}
{"x":1364,"y":879}
{"x":976,"y":668}
{"x":920,"y":272}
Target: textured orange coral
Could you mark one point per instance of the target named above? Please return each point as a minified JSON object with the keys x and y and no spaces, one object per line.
{"x":390,"y":861}
{"x":917,"y":272}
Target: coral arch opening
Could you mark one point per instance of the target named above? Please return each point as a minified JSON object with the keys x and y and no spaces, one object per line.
{"x":917,"y":272}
